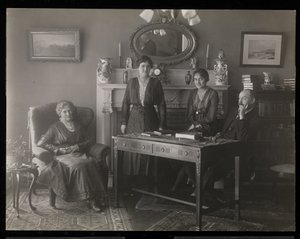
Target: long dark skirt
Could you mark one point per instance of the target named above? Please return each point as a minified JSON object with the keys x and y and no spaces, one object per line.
{"x":75,"y":177}
{"x":140,"y":120}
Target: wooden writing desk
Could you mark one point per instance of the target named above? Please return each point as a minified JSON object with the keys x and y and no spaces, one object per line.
{"x":178,"y":149}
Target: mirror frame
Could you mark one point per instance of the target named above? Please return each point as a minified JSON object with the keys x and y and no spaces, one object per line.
{"x":185,"y":55}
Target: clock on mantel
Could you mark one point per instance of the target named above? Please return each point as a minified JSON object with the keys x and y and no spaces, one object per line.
{"x":159,"y":72}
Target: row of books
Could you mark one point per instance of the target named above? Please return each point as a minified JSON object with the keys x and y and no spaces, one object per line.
{"x":276,"y":131}
{"x":269,"y":109}
{"x":289,"y":83}
{"x":251,"y":82}
{"x":167,"y":132}
{"x":268,"y":87}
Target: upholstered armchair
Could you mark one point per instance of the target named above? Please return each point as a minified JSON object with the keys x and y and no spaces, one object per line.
{"x":39,"y":120}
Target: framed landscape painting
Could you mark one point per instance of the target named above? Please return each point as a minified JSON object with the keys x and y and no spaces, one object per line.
{"x":54,"y":45}
{"x":261,"y":49}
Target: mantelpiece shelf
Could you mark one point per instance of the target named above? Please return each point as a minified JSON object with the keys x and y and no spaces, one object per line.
{"x":166,"y":87}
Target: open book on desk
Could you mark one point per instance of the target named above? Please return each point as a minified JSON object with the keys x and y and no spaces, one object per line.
{"x":190,"y":135}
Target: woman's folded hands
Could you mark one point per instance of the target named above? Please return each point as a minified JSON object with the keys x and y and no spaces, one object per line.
{"x":70,"y":149}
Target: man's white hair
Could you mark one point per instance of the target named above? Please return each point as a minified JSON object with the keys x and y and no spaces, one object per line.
{"x":248,"y":93}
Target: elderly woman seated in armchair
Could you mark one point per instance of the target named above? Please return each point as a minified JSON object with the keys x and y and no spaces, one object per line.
{"x":72,"y":173}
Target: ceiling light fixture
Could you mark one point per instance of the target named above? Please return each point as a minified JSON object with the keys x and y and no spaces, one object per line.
{"x":170,"y":15}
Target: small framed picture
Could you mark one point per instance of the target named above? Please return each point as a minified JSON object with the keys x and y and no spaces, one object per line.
{"x":54,"y":45}
{"x":261,"y":49}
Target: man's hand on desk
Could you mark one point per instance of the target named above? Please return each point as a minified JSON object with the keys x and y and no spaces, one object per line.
{"x":214,"y":138}
{"x":191,"y":127}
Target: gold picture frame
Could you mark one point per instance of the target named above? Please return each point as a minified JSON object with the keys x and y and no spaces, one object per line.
{"x":54,"y":45}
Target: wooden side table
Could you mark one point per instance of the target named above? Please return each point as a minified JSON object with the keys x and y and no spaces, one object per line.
{"x":16,"y":172}
{"x":282,"y":172}
{"x":286,"y":171}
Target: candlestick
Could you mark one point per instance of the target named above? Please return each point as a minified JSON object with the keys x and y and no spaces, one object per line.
{"x":120,"y":49}
{"x":207,"y":52}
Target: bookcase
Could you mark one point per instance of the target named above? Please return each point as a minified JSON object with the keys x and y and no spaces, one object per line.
{"x":275,"y":139}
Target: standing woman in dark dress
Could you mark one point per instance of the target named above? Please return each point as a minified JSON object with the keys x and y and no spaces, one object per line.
{"x":143,"y":109}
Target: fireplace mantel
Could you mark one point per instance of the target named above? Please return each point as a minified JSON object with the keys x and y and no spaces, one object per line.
{"x":175,"y":96}
{"x":110,"y":96}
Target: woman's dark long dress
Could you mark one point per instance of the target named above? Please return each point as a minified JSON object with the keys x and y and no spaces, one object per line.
{"x":199,"y":111}
{"x":72,"y":176}
{"x":140,"y":118}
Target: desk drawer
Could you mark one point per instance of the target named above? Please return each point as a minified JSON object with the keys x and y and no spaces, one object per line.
{"x":134,"y":146}
{"x":177,"y":152}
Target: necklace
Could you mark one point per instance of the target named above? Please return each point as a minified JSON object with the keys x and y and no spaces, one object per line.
{"x":69,"y":125}
{"x":201,"y":93}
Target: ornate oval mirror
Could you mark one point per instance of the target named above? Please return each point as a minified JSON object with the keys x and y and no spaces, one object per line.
{"x":167,"y":43}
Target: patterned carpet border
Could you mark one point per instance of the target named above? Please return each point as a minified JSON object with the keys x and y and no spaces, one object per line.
{"x":68,"y":216}
{"x":179,"y":221}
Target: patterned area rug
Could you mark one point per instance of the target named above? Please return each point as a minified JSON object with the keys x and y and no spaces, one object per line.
{"x":156,"y":204}
{"x":259,"y":215}
{"x":68,"y":216}
{"x":182,"y":221}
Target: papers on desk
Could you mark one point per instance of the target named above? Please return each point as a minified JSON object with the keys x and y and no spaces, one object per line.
{"x":155,"y":133}
{"x":149,"y":133}
{"x":165,"y":132}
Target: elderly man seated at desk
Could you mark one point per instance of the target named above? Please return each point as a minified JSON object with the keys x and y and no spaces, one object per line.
{"x":240,"y":124}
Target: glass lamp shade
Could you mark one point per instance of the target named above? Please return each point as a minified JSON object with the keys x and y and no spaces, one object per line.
{"x":193,"y":21}
{"x":188,"y":13}
{"x":147,"y":15}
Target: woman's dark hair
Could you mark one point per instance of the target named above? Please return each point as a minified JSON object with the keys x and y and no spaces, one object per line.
{"x":62,"y":104}
{"x":202,"y":72}
{"x":144,"y":59}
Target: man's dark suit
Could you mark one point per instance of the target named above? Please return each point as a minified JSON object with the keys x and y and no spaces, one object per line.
{"x":243,"y":130}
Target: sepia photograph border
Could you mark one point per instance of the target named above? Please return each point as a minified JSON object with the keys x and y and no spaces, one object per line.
{"x":256,"y":54}
{"x":60,"y":52}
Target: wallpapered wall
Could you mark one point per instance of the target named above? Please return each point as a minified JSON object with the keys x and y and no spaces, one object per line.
{"x":33,"y":83}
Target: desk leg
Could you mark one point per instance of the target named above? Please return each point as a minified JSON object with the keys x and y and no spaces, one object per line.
{"x":116,"y":178}
{"x":237,"y":187}
{"x":14,"y":189}
{"x":18,"y":193}
{"x":198,"y":195}
{"x":34,"y":173}
{"x":155,"y":175}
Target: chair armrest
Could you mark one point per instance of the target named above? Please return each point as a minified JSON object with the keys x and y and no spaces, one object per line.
{"x":42,"y":154}
{"x":99,"y":151}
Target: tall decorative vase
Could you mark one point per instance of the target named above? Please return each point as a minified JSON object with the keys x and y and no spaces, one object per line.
{"x":104,"y":70}
{"x":188,"y":78}
{"x":125,"y":77}
{"x":220,"y":69}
